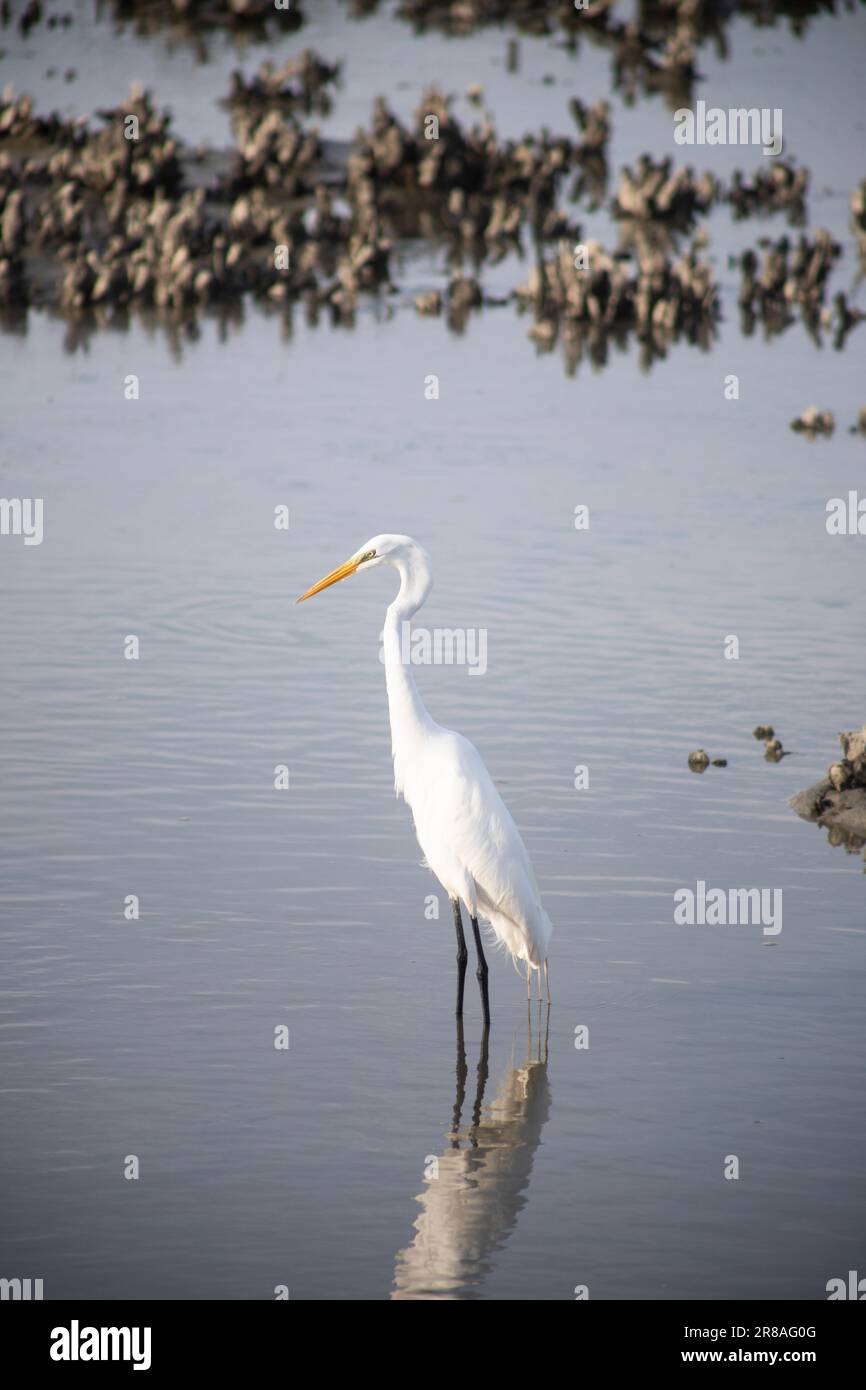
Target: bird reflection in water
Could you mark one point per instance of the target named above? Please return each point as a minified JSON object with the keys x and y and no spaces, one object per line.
{"x":472,"y":1206}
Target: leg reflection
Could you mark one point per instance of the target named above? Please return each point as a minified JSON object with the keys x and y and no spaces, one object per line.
{"x":472,"y":1204}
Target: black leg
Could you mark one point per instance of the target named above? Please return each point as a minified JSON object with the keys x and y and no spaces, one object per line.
{"x":481,"y":972}
{"x":462,"y":955}
{"x":460,"y":1095}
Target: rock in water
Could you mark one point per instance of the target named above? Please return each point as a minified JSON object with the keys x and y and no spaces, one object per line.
{"x":838,"y":801}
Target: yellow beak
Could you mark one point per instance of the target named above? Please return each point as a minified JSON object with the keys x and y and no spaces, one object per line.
{"x":341,"y":572}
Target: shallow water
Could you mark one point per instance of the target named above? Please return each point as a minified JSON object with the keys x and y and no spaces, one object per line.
{"x":600,"y":1167}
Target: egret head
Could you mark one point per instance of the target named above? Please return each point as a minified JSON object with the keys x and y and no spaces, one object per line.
{"x":379,"y":550}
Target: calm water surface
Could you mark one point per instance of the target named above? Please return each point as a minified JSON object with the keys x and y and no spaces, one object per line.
{"x":308,"y":908}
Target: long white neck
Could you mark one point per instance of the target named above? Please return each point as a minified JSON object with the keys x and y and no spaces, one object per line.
{"x":411,"y":725}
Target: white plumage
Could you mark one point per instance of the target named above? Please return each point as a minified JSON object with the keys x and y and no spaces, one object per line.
{"x":464,"y":828}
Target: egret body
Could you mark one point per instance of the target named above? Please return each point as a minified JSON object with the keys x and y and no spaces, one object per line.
{"x":464,"y":828}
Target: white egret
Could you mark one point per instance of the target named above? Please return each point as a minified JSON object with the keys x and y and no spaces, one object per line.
{"x":464,"y":828}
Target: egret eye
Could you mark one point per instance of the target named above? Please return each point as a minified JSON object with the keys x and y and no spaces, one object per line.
{"x":370,"y":555}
